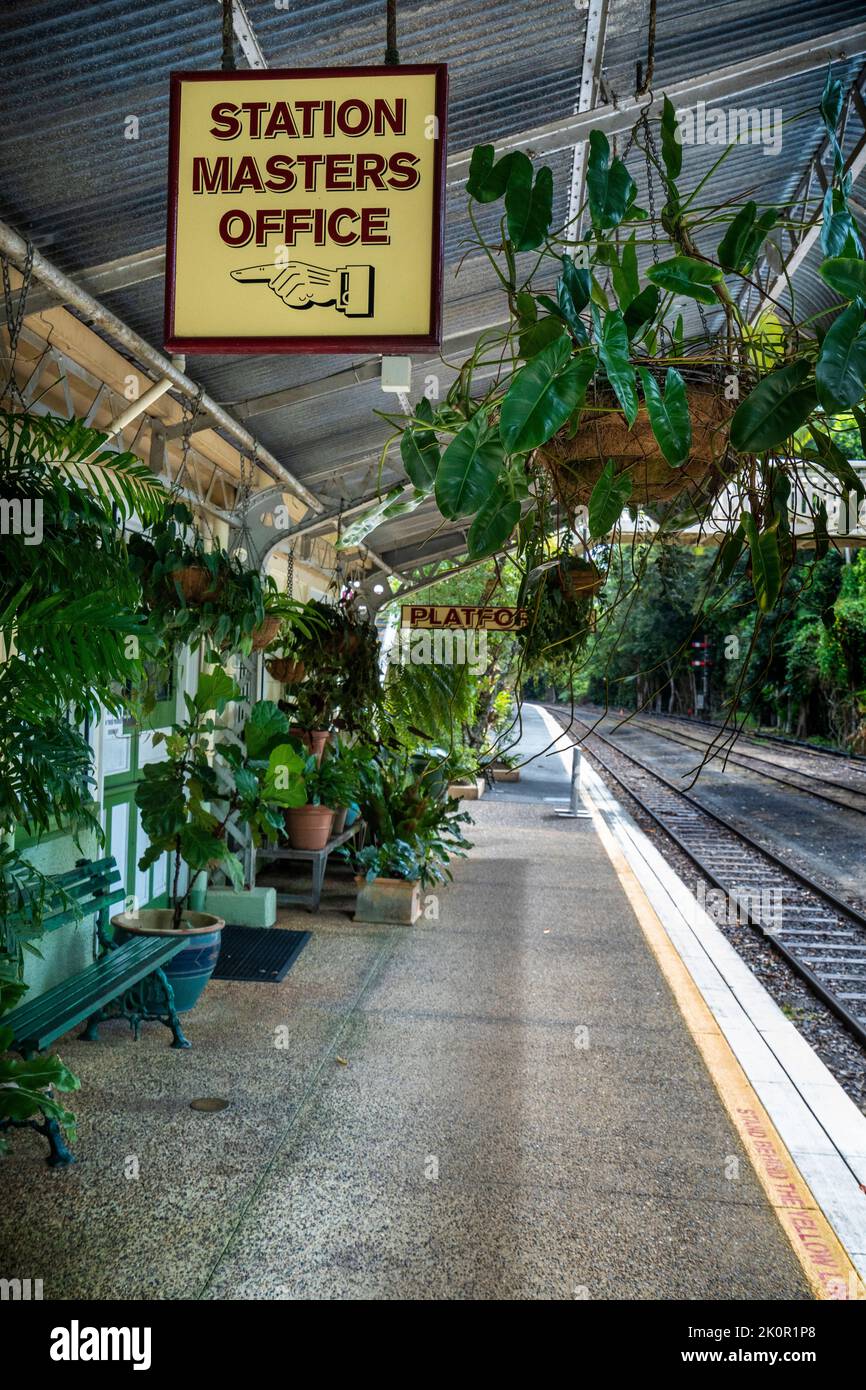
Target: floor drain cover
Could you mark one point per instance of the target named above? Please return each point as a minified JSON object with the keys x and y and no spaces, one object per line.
{"x":209,"y":1104}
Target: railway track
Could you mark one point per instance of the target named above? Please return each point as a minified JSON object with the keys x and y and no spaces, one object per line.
{"x":837,"y":792}
{"x":822,"y":938}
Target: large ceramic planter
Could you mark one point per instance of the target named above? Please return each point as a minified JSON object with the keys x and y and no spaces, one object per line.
{"x":575,"y":461}
{"x":309,"y":827}
{"x":392,"y":900}
{"x":189,"y":971}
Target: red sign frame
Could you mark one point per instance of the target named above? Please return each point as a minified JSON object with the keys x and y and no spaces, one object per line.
{"x":333,"y":345}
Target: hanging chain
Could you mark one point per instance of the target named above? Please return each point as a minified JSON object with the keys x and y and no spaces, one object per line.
{"x":392,"y":57}
{"x":290,"y":573}
{"x":651,"y":153}
{"x":228,"y":60}
{"x":15,"y":317}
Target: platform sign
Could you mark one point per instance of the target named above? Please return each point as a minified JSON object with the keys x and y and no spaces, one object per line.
{"x":490,"y":619}
{"x":305,"y":210}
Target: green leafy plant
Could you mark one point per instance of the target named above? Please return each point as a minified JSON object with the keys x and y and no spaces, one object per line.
{"x":593,"y":395}
{"x":411,"y":829}
{"x":256,"y":778}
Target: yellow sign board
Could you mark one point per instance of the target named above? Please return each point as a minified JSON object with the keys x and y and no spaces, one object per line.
{"x":441,"y":615}
{"x":306,"y":210}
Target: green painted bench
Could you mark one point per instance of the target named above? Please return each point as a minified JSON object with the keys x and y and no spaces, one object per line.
{"x":127,"y":980}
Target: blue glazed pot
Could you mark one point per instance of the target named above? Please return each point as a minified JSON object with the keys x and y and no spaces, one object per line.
{"x":189,"y":971}
{"x":352,"y":814}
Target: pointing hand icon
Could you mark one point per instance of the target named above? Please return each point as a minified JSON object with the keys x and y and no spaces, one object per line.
{"x":301,"y":285}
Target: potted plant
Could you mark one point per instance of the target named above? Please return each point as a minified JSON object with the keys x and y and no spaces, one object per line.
{"x":464,"y":783}
{"x":310,"y":824}
{"x":504,"y":767}
{"x":177,"y":799}
{"x":343,"y":760}
{"x":412,"y":835}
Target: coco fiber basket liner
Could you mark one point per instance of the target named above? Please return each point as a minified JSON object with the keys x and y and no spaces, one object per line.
{"x":576,"y":461}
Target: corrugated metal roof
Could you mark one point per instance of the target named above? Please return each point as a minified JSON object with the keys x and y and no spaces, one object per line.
{"x":86,"y":194}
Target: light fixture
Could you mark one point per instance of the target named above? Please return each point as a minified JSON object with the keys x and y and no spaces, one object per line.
{"x":378,"y":588}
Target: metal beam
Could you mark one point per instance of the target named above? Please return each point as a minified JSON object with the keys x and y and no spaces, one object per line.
{"x":744,"y":76}
{"x":15,"y":248}
{"x":246,"y":35}
{"x":593,"y":56}
{"x":98,"y":280}
{"x":804,"y":237}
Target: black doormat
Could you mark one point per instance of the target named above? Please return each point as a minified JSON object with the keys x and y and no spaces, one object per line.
{"x":258,"y":953}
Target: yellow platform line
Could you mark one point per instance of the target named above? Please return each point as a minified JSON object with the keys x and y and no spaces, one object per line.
{"x":825,"y":1262}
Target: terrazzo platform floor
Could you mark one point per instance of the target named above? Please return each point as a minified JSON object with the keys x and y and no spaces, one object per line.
{"x":413,"y":1114}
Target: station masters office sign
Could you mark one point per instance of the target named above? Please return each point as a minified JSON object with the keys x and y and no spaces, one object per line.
{"x":305,"y":210}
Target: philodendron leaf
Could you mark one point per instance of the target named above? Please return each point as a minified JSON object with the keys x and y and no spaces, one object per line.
{"x":672,"y":148}
{"x":469,"y":469}
{"x":543,"y":395}
{"x":841,"y":369}
{"x":488,"y":179}
{"x":419,"y":450}
{"x":626,"y":281}
{"x":739,"y":247}
{"x":613,"y":349}
{"x":528,"y":205}
{"x":493,"y":524}
{"x":730,"y":552}
{"x":766,"y":562}
{"x":778,"y":406}
{"x":642,"y":310}
{"x":539,"y":336}
{"x":839,"y":235}
{"x":573,"y":290}
{"x":846,"y":275}
{"x":669,"y":415}
{"x":610,"y":187}
{"x":685,"y":275}
{"x":609,"y":496}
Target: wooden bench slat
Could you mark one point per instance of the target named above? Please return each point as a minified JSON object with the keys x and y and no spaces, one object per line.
{"x":107,"y":970}
{"x":62,"y":1008}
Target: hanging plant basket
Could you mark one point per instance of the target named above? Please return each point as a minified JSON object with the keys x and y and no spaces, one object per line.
{"x":575,"y":458}
{"x":579,"y":578}
{"x":265,"y":633}
{"x":197,"y":584}
{"x":286,"y":670}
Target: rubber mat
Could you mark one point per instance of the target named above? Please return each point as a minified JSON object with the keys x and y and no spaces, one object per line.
{"x":258,"y":953}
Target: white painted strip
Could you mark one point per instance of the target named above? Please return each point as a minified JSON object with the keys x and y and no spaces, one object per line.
{"x":821,"y":1126}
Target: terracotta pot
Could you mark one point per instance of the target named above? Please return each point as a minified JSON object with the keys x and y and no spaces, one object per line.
{"x":575,"y":463}
{"x":309,"y":827}
{"x":264,"y":634}
{"x":285,"y":670}
{"x":314,"y":739}
{"x":395,"y":900}
{"x":340,"y":820}
{"x":189,"y":971}
{"x":197,"y":584}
